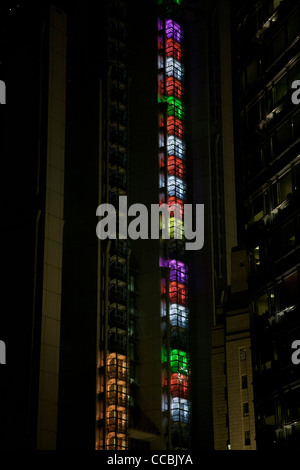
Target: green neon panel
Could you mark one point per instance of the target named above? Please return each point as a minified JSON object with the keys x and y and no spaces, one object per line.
{"x":175,"y":107}
{"x":164,"y":355}
{"x":179,"y":361}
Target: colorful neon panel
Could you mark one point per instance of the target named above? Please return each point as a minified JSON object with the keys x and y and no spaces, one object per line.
{"x":161,"y":89}
{"x":160,"y":61}
{"x":176,"y":228}
{"x":175,"y":126}
{"x":176,"y":167}
{"x":174,"y":49}
{"x":174,"y":87}
{"x":180,"y":409}
{"x":175,"y":107}
{"x":179,"y":271}
{"x":174,"y":68}
{"x":179,"y":315}
{"x":179,"y":206}
{"x":179,"y":361}
{"x":179,"y":385}
{"x":174,"y":30}
{"x":176,"y":147}
{"x":176,"y":187}
{"x":178,"y":293}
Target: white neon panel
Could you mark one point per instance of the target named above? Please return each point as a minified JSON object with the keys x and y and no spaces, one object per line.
{"x":176,"y":187}
{"x":174,"y":68}
{"x":180,"y":409}
{"x":161,"y":180}
{"x":179,"y":315}
{"x":176,"y":147}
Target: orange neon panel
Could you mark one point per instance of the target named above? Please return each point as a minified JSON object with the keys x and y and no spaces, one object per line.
{"x":178,"y":293}
{"x":174,"y":49}
{"x":176,"y":166}
{"x":174,"y":88}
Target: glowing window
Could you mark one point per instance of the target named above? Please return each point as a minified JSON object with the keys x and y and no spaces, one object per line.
{"x":174,"y":68}
{"x":175,"y":126}
{"x":180,"y":409}
{"x":175,"y":107}
{"x":179,"y":206}
{"x":160,"y":61}
{"x":179,"y":271}
{"x":176,"y":187}
{"x":174,"y":87}
{"x":179,"y":361}
{"x":176,"y":147}
{"x":178,"y":293}
{"x":174,"y":48}
{"x":176,"y":167}
{"x":179,"y":385}
{"x":176,"y":228}
{"x":174,"y":30}
{"x":179,"y":315}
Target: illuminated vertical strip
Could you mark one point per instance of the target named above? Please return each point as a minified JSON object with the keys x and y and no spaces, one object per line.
{"x":113,"y":379}
{"x":176,"y":371}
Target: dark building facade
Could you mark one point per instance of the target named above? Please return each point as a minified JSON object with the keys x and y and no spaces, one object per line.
{"x":266,"y":50}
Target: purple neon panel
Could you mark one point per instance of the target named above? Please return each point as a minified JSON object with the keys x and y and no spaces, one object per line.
{"x":174,"y":30}
{"x":179,"y":271}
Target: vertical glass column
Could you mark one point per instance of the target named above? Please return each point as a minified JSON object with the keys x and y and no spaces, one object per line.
{"x":176,"y":371}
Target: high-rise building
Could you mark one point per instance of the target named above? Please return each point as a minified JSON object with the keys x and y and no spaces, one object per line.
{"x":115,"y":334}
{"x":267,"y":62}
{"x":232,"y":376}
{"x":33,"y":66}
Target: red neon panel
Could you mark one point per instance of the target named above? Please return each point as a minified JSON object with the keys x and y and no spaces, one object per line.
{"x":179,"y":385}
{"x":175,"y":127}
{"x":161,"y":160}
{"x":160,"y":87}
{"x":162,"y":286}
{"x":178,"y":293}
{"x":175,"y":200}
{"x":176,"y":166}
{"x":160,"y":42}
{"x":174,"y":49}
{"x":161,"y":121}
{"x":174,"y":87}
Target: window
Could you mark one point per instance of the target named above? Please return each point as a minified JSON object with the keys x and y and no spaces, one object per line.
{"x":247,"y":438}
{"x":246,"y":409}
{"x":244,"y":382}
{"x":261,"y":304}
{"x":280,"y":89}
{"x":258,"y":207}
{"x":285,"y":187}
{"x":252,"y":72}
